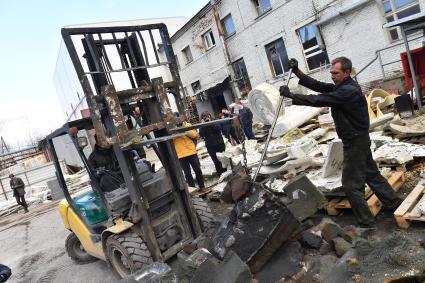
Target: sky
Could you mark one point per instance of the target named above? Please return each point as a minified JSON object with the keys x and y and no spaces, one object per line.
{"x":30,"y":32}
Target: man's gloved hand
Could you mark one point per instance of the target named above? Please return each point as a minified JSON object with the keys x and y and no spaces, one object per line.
{"x":284,"y":91}
{"x":293,"y":64}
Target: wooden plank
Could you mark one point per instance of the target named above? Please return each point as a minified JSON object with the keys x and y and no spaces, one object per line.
{"x":343,"y":204}
{"x":410,"y":200}
{"x":403,"y":214}
{"x":330,"y":207}
{"x":396,"y":180}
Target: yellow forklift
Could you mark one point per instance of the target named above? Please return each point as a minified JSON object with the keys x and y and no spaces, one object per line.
{"x":143,"y":214}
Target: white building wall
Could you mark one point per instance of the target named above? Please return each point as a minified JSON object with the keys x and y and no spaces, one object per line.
{"x":357,"y":35}
{"x":208,"y":66}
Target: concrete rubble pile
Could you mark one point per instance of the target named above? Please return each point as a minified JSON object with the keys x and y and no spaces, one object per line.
{"x":395,"y":258}
{"x":306,"y":143}
{"x":243,"y":244}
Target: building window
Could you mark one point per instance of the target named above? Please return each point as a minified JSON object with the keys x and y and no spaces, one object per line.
{"x":262,"y":6}
{"x":228,"y":25}
{"x":209,"y":39}
{"x":196,"y":87}
{"x":241,"y":76}
{"x":314,"y":56}
{"x":187,"y":54}
{"x":278,"y":57}
{"x":398,"y":9}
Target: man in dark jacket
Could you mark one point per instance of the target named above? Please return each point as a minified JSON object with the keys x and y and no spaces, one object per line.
{"x":229,"y":129}
{"x":213,"y":140}
{"x":18,"y":187}
{"x":349,"y":111}
{"x":104,"y":161}
{"x":245,"y":115}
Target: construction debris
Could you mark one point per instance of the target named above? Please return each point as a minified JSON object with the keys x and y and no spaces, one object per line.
{"x":247,"y":234}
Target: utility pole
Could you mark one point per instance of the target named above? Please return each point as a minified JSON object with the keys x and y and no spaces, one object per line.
{"x":4,"y":148}
{"x":231,"y":71}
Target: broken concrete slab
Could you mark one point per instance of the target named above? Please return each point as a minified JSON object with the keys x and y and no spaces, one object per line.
{"x":277,"y":185}
{"x":255,"y":240}
{"x":393,"y":153}
{"x":407,"y":131}
{"x":328,"y":184}
{"x":398,"y":152}
{"x":326,"y":121}
{"x":286,"y":262}
{"x":305,"y":198}
{"x":189,"y":263}
{"x":334,"y":159}
{"x":289,"y":169}
{"x":232,"y":270}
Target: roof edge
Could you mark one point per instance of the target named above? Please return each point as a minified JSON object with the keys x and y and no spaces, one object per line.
{"x":192,"y":21}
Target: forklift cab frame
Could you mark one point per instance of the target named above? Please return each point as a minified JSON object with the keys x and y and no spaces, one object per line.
{"x":147,"y":216}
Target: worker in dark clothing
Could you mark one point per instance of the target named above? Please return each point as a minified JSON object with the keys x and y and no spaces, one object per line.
{"x":213,"y":140}
{"x":5,"y":273}
{"x":18,"y":187}
{"x":104,"y":161}
{"x":245,"y":115}
{"x":231,"y":128}
{"x":350,"y":114}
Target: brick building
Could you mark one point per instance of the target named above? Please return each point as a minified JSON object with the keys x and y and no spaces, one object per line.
{"x":230,"y":46}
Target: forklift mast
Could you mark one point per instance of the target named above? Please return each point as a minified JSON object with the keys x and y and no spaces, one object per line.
{"x":114,"y":66}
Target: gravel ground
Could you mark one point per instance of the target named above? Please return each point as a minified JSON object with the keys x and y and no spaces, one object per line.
{"x":33,"y":246}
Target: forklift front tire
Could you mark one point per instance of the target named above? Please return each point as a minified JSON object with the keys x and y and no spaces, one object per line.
{"x":204,"y":213}
{"x":127,"y":253}
{"x":76,"y":251}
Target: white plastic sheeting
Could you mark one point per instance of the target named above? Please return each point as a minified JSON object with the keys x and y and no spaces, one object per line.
{"x":294,"y":117}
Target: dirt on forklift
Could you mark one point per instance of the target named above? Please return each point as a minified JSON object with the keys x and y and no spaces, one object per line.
{"x":143,"y":214}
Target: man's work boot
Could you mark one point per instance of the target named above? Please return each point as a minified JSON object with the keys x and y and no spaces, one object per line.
{"x":26,"y":210}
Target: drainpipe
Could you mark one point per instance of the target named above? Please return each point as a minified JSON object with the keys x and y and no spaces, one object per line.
{"x":233,"y":85}
{"x":343,"y":12}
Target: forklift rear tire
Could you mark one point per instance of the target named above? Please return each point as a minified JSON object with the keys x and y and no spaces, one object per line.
{"x":204,"y":213}
{"x":127,"y":253}
{"x":76,"y":251}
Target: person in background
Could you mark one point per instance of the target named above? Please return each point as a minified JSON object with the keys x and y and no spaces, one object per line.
{"x":225,"y":129}
{"x":186,"y":152}
{"x":245,"y":115}
{"x":18,"y":188}
{"x":233,"y":128}
{"x":213,"y":140}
